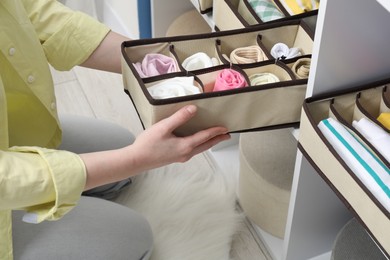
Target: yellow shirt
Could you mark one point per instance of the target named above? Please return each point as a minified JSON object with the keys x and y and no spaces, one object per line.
{"x":33,"y":176}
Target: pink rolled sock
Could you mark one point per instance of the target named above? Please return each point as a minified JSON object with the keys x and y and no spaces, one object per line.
{"x":229,"y":79}
{"x":155,"y":64}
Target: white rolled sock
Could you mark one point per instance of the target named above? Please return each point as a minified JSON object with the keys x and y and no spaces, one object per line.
{"x":199,"y":60}
{"x":174,"y":87}
{"x":281,"y":50}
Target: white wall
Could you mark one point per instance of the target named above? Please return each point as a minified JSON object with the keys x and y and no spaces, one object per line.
{"x":120,"y":15}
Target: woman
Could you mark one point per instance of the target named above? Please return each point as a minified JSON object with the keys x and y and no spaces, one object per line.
{"x":47,"y":182}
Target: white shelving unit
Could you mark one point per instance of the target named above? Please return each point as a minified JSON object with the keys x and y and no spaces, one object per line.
{"x":350,"y":48}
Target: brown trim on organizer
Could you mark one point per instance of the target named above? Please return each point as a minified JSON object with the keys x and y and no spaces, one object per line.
{"x":281,"y":8}
{"x":236,"y":13}
{"x":263,"y":48}
{"x":386,"y":96}
{"x":252,"y":12}
{"x":266,"y":128}
{"x":289,"y":71}
{"x":173,"y":52}
{"x":135,"y":107}
{"x":204,"y":11}
{"x":282,"y":84}
{"x":277,"y":63}
{"x":328,"y":95}
{"x":341,"y":197}
{"x":254,"y":28}
{"x":218,"y":48}
{"x":345,"y":166}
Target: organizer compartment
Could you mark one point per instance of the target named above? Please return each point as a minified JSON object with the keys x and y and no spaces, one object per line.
{"x":250,"y":108}
{"x":346,"y":107}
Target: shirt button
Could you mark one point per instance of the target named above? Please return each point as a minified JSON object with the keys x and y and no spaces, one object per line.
{"x":11,"y":51}
{"x":53,"y":105}
{"x":30,"y":79}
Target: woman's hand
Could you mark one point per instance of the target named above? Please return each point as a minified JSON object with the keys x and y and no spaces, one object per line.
{"x":159,"y":146}
{"x":155,"y":147}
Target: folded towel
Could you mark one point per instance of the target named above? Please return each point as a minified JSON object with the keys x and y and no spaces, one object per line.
{"x":282,"y":51}
{"x":198,"y":61}
{"x":365,"y":165}
{"x":263,"y":78}
{"x":378,"y":137}
{"x":229,"y":79}
{"x":384,"y":119}
{"x":245,"y":55}
{"x":174,"y":87}
{"x":301,"y":68}
{"x":266,"y":10}
{"x":155,"y":64}
{"x":300,"y":6}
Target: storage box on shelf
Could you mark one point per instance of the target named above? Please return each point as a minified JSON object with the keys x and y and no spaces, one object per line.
{"x":253,"y":107}
{"x":234,"y":14}
{"x":362,"y":187}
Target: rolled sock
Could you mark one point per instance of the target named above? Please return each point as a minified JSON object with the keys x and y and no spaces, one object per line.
{"x":245,"y":55}
{"x":263,"y":78}
{"x":282,"y":51}
{"x":174,"y":87}
{"x":378,"y":137}
{"x":365,"y":165}
{"x":301,"y":68}
{"x":155,"y":64}
{"x":265,"y":10}
{"x":384,"y":119}
{"x":229,"y":79}
{"x":197,"y":61}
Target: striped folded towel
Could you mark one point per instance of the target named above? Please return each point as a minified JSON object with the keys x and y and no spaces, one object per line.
{"x":266,"y":10}
{"x":372,"y":172}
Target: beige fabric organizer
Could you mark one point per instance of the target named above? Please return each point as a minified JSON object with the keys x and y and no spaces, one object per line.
{"x":235,"y":14}
{"x":366,"y":101}
{"x":254,"y":107}
{"x":205,"y":6}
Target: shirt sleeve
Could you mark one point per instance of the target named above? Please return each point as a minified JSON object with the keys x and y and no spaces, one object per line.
{"x":68,"y":37}
{"x":47,"y":183}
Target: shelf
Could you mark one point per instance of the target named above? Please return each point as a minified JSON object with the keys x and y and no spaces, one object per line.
{"x":208,"y":17}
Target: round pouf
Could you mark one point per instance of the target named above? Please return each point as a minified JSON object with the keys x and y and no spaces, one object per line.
{"x":353,"y":242}
{"x":191,"y":22}
{"x":267,"y":161}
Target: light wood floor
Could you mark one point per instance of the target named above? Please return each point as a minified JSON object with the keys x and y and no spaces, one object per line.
{"x":100,"y":94}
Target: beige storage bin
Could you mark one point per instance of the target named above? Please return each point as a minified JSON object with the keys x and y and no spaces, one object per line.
{"x":367,"y":101}
{"x":236,"y":14}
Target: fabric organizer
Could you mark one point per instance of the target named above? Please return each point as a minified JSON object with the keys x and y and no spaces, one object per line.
{"x":235,"y":14}
{"x":273,"y":105}
{"x":361,"y":180}
{"x":205,"y":6}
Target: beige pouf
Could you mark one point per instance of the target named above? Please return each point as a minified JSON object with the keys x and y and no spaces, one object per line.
{"x":267,"y":162}
{"x":353,"y":242}
{"x":190,"y":22}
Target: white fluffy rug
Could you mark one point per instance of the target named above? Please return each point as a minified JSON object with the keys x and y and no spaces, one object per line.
{"x":190,"y":207}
